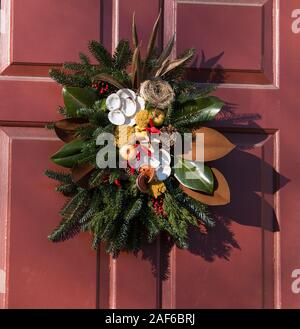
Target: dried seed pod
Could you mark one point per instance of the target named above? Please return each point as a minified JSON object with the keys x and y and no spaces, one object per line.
{"x":142,"y":183}
{"x":147,"y":171}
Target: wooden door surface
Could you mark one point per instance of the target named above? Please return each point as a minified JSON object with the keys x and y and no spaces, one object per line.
{"x":251,"y":49}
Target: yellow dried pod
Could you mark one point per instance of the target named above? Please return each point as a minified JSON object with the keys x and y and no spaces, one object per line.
{"x":157,"y":188}
{"x":123,"y":135}
{"x":142,"y":118}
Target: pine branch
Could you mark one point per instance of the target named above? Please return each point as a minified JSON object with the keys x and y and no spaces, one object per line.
{"x":67,"y":189}
{"x":73,"y":66}
{"x":122,"y":55}
{"x":70,"y":226}
{"x":101,"y":54}
{"x":88,"y":68}
{"x":69,"y":79}
{"x":122,"y":239}
{"x":59,"y":176}
{"x":196,"y":208}
{"x":96,"y":178}
{"x":178,"y":219}
{"x":153,"y":223}
{"x":87,"y":217}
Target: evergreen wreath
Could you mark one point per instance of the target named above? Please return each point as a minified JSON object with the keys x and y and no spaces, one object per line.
{"x":123,"y":206}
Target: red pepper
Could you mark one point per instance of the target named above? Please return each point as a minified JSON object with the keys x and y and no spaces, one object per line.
{"x":153,"y":130}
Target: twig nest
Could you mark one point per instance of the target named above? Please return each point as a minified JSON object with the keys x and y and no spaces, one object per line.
{"x":157,"y":92}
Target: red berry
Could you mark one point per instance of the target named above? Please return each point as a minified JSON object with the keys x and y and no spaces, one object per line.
{"x":117,"y":182}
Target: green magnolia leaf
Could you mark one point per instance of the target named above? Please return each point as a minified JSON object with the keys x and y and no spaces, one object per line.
{"x":76,"y":98}
{"x":68,"y":161}
{"x":69,"y":154}
{"x":190,"y":175}
{"x":198,"y":110}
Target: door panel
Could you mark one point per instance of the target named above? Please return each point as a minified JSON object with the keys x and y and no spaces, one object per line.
{"x":42,"y":34}
{"x":234,"y":40}
{"x":39,"y":274}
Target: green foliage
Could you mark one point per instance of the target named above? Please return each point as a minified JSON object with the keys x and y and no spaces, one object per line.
{"x":71,"y":213}
{"x":101,"y":54}
{"x":195,"y":112}
{"x":96,"y":178}
{"x":76,"y":98}
{"x":69,"y":154}
{"x":195,"y":207}
{"x":194,"y":175}
{"x":67,"y":79}
{"x":67,"y":189}
{"x":59,"y":176}
{"x":122,"y":56}
{"x":178,"y":219}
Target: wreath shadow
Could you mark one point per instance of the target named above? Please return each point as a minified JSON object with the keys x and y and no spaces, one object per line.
{"x":243,"y":171}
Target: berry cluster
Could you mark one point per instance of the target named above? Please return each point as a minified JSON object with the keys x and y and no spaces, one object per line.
{"x":102,"y":87}
{"x":158,"y":206}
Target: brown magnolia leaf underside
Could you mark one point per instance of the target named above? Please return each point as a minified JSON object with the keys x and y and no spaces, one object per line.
{"x":216,"y":145}
{"x":81,"y":174}
{"x":66,"y":129}
{"x":221,"y":195}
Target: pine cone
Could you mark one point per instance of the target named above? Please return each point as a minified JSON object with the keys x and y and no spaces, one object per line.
{"x":168,"y":136}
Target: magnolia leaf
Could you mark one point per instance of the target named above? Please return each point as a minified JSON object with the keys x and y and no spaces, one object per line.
{"x":81,"y":174}
{"x":166,"y":52}
{"x":191,"y":174}
{"x":199,"y":110}
{"x":220,"y":197}
{"x":216,"y":145}
{"x":76,"y":98}
{"x":67,"y":161}
{"x":66,"y":129}
{"x":109,"y":79}
{"x":135,"y":39}
{"x":177,"y":62}
{"x":69,"y":154}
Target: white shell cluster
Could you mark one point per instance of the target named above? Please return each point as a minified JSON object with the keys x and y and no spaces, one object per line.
{"x":123,"y":107}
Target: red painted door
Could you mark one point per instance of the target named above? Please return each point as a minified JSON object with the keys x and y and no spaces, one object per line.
{"x":249,"y":47}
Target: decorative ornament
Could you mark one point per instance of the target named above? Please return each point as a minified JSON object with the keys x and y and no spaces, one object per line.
{"x":123,"y":179}
{"x":123,"y":106}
